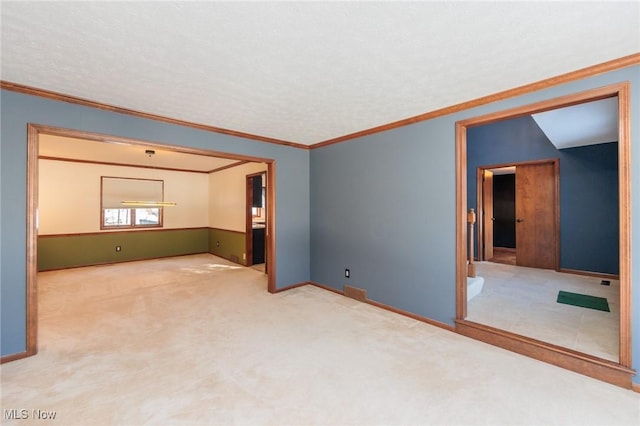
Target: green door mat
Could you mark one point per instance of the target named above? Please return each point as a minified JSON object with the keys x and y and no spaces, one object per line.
{"x":583,"y":300}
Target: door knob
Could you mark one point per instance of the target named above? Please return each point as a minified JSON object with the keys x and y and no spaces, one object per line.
{"x":519,"y":220}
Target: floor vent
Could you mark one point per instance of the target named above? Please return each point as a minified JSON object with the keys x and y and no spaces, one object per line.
{"x":355,"y":293}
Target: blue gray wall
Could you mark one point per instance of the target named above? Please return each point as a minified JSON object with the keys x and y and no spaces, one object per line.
{"x":380,"y":207}
{"x":292,"y":190}
{"x":588,"y":187}
{"x":383,"y":205}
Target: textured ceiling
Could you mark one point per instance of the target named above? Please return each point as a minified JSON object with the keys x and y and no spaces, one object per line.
{"x":304,"y":72}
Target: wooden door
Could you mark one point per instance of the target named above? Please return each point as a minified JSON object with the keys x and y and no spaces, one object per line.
{"x":487,"y":213}
{"x":536,"y":215}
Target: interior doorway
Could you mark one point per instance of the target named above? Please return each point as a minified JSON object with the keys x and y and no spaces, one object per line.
{"x":619,"y":371}
{"x":256,"y":220}
{"x":501,"y":186}
{"x":34,"y":133}
{"x":519,"y":220}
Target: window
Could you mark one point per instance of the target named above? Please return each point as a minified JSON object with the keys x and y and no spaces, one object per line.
{"x":116,"y":217}
{"x":115,"y":191}
{"x":146,"y":217}
{"x":126,"y":217}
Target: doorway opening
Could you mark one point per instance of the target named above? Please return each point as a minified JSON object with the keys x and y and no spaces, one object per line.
{"x":201,"y":157}
{"x":256,"y":221}
{"x":519,"y":214}
{"x":617,"y":372}
{"x":497,"y":238}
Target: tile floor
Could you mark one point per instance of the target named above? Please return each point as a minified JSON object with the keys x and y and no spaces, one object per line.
{"x":523,"y":301}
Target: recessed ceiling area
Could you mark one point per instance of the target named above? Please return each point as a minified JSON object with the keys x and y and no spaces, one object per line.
{"x":83,"y":150}
{"x":303,"y":72}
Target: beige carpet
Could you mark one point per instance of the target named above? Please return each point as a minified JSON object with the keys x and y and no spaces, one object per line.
{"x":523,"y":301}
{"x":197,"y":340}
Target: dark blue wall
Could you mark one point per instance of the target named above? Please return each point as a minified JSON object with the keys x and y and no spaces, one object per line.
{"x":589,"y":218}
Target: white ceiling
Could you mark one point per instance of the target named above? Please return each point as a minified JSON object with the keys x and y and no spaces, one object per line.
{"x":304,"y":72}
{"x":578,"y":125}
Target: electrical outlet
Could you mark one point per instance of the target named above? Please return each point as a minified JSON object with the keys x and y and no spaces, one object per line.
{"x":118,"y":249}
{"x":217,"y":243}
{"x":347,"y":273}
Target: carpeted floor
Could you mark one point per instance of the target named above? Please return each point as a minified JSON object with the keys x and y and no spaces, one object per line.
{"x":259,"y":267}
{"x":197,"y":340}
{"x":524,"y":301}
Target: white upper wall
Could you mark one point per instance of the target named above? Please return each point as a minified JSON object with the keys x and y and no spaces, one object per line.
{"x":227,"y":194}
{"x":69,"y":196}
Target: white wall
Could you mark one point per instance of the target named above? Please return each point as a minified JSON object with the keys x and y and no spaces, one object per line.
{"x":227,"y":194}
{"x":69,"y":196}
